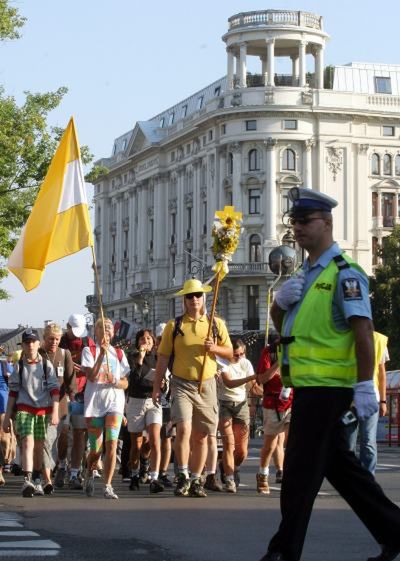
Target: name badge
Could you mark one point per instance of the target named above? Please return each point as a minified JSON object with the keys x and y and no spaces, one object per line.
{"x":60,"y":371}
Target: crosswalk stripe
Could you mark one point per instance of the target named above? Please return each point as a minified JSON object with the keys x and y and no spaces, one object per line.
{"x":10,"y":524}
{"x":36,"y":544}
{"x":16,"y":534}
{"x":25,"y":553}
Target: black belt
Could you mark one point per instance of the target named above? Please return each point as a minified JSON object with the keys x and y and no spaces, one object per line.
{"x":287,"y":340}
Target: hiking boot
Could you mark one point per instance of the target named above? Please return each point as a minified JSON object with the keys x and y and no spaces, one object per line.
{"x":182,"y":486}
{"x":96,"y":474}
{"x":222,"y":472}
{"x":144,"y":472}
{"x":156,"y":486}
{"x":89,"y":486}
{"x":48,"y":488}
{"x":134,"y":483}
{"x":236,"y":477}
{"x":38,"y":488}
{"x":28,"y":488}
{"x":212,"y":483}
{"x":279,"y":476}
{"x":196,"y":489}
{"x":262,"y":484}
{"x":109,"y":493}
{"x":59,"y":479}
{"x":75,"y":483}
{"x":165,"y":480}
{"x":230,"y":486}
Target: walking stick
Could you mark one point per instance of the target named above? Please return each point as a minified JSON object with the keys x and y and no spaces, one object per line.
{"x":100,"y":299}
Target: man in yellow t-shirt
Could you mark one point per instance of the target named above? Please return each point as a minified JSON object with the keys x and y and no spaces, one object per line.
{"x":195,"y":414}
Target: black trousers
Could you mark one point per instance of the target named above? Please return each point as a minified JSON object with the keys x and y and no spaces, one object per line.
{"x":318,"y":447}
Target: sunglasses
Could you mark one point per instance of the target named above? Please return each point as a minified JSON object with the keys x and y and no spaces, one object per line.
{"x":238,"y":355}
{"x":304,"y":220}
{"x":194,"y":295}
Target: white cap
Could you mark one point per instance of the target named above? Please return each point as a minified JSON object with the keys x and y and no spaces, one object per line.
{"x":160,"y":329}
{"x":77,"y":322}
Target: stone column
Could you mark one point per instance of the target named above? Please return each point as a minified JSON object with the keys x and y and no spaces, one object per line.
{"x":379,"y":217}
{"x":270,"y":194}
{"x":271,"y":61}
{"x":307,"y":163}
{"x":242,"y":72}
{"x":180,"y":224}
{"x":302,"y":65}
{"x":220,"y":176}
{"x":319,"y":68}
{"x":142,"y":229}
{"x":295,"y":69}
{"x":236,"y":150}
{"x":230,"y":69}
{"x":396,"y":208}
{"x":264,"y":70}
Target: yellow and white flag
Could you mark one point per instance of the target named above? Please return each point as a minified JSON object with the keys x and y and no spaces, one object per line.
{"x":59,"y":223}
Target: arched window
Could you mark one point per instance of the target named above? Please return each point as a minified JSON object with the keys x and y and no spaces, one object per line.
{"x":387,"y":164}
{"x":255,"y":249}
{"x":230,"y":163}
{"x":253,"y":160}
{"x":289,"y":160}
{"x":397,"y":165}
{"x":375,"y":164}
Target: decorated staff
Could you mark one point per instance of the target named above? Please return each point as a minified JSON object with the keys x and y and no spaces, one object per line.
{"x":226,"y":234}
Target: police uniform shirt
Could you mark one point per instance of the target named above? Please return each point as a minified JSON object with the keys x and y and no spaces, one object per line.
{"x":351,"y":296}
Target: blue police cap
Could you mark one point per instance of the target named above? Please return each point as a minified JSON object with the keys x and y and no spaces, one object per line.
{"x":306,"y":201}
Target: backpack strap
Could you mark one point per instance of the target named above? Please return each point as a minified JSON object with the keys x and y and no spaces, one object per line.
{"x":21,"y":367}
{"x":177,"y":331}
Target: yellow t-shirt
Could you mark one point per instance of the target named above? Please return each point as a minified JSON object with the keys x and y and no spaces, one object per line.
{"x":189,"y":348}
{"x":380,"y":344}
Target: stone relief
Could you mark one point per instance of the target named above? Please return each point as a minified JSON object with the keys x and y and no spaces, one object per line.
{"x":334,"y":160}
{"x":236,"y":99}
{"x":172,"y":204}
{"x":307,"y":97}
{"x":269,"y":96}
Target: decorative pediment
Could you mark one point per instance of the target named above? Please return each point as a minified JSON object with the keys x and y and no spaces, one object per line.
{"x":386,"y":184}
{"x":138,"y":141}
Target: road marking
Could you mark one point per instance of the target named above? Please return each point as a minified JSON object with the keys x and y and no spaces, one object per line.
{"x":386,"y":466}
{"x":28,"y":553}
{"x":36,"y":544}
{"x":11,"y":524}
{"x":22,"y":534}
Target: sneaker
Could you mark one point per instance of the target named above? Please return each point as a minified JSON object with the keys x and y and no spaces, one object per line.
{"x":75,"y":483}
{"x":144,"y":474}
{"x":134,"y":483}
{"x":182,"y":486}
{"x":222,"y":472}
{"x":59,"y":479}
{"x":89,"y":487}
{"x":279,"y":476}
{"x":156,"y":486}
{"x":28,"y":488}
{"x":109,"y":493}
{"x":126,"y":479}
{"x":16,"y":469}
{"x":236,"y":477}
{"x":7,"y":468}
{"x":48,"y":489}
{"x":96,"y":474}
{"x":262,"y":484}
{"x":165,"y":480}
{"x":38,"y":488}
{"x":212,"y":483}
{"x":2,"y":480}
{"x":230,"y":486}
{"x":196,"y":489}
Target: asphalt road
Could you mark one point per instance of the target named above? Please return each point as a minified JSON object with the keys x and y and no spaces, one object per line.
{"x":140,"y":526}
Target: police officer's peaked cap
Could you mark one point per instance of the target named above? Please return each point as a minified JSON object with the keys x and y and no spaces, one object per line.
{"x":306,"y":201}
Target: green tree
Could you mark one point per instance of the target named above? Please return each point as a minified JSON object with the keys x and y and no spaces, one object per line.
{"x":26,"y":148}
{"x":385,"y":295}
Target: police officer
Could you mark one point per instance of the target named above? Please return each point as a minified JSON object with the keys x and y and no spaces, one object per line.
{"x":327,"y":353}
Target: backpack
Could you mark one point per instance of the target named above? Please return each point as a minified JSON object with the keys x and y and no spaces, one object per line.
{"x":178,"y":331}
{"x":118,"y":351}
{"x":21,"y":367}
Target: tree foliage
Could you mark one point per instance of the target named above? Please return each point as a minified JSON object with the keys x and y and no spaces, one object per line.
{"x":385,"y":295}
{"x":10,"y":21}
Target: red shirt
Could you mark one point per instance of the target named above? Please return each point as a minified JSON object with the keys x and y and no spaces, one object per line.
{"x":75,"y":346}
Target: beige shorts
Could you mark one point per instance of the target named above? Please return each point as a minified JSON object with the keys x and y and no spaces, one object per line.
{"x":188,"y":405}
{"x":273,"y":424}
{"x":141,"y":413}
{"x":237,"y":411}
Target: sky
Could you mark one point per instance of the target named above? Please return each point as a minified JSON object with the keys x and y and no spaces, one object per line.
{"x":127,"y":60}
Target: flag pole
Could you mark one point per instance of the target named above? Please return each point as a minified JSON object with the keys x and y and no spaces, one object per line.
{"x":210,"y":324}
{"x":100,"y":299}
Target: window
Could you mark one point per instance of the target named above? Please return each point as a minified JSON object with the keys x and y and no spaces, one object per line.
{"x":253,"y":160}
{"x":253,"y":319}
{"x":397,"y":165}
{"x":383,"y":85}
{"x":217,"y":91}
{"x":255,"y":249}
{"x":124,"y":144}
{"x":205,"y":220}
{"x":171,"y":118}
{"x":204,"y":140}
{"x":173,"y":156}
{"x":374,"y":205}
{"x":229,"y":198}
{"x":184,"y":110}
{"x":286,"y":203}
{"x":289,"y":160}
{"x":387,"y":164}
{"x":230,"y":163}
{"x":254,"y":201}
{"x":210,"y":135}
{"x":162,"y":122}
{"x":251,"y":125}
{"x":114,"y":149}
{"x":375,"y":164}
{"x":200,"y":102}
{"x":388,"y":131}
{"x":375,"y":247}
{"x":387,"y":209}
{"x":187,"y":148}
{"x":290,"y":124}
{"x":223,"y":129}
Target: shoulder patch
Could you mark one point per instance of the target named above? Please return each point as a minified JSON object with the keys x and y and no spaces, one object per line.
{"x":351,"y":289}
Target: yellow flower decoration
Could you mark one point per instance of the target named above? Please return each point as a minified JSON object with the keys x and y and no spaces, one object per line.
{"x":226,"y":233}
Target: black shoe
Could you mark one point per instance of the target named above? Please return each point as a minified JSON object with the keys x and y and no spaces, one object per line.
{"x":222,"y":472}
{"x":273,"y":556}
{"x":236,"y":478}
{"x":278,"y":476}
{"x":144,"y":471}
{"x":165,"y":480}
{"x":156,"y":486}
{"x":212,"y":483}
{"x":134,"y":484}
{"x":388,"y":553}
{"x":48,"y":489}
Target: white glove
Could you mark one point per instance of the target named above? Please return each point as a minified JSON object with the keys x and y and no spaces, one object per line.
{"x":291,"y":291}
{"x":364,"y":399}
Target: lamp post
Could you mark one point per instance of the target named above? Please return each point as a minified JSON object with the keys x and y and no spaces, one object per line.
{"x":145,"y":313}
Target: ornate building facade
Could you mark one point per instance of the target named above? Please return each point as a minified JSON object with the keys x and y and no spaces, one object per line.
{"x":245,"y":140}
